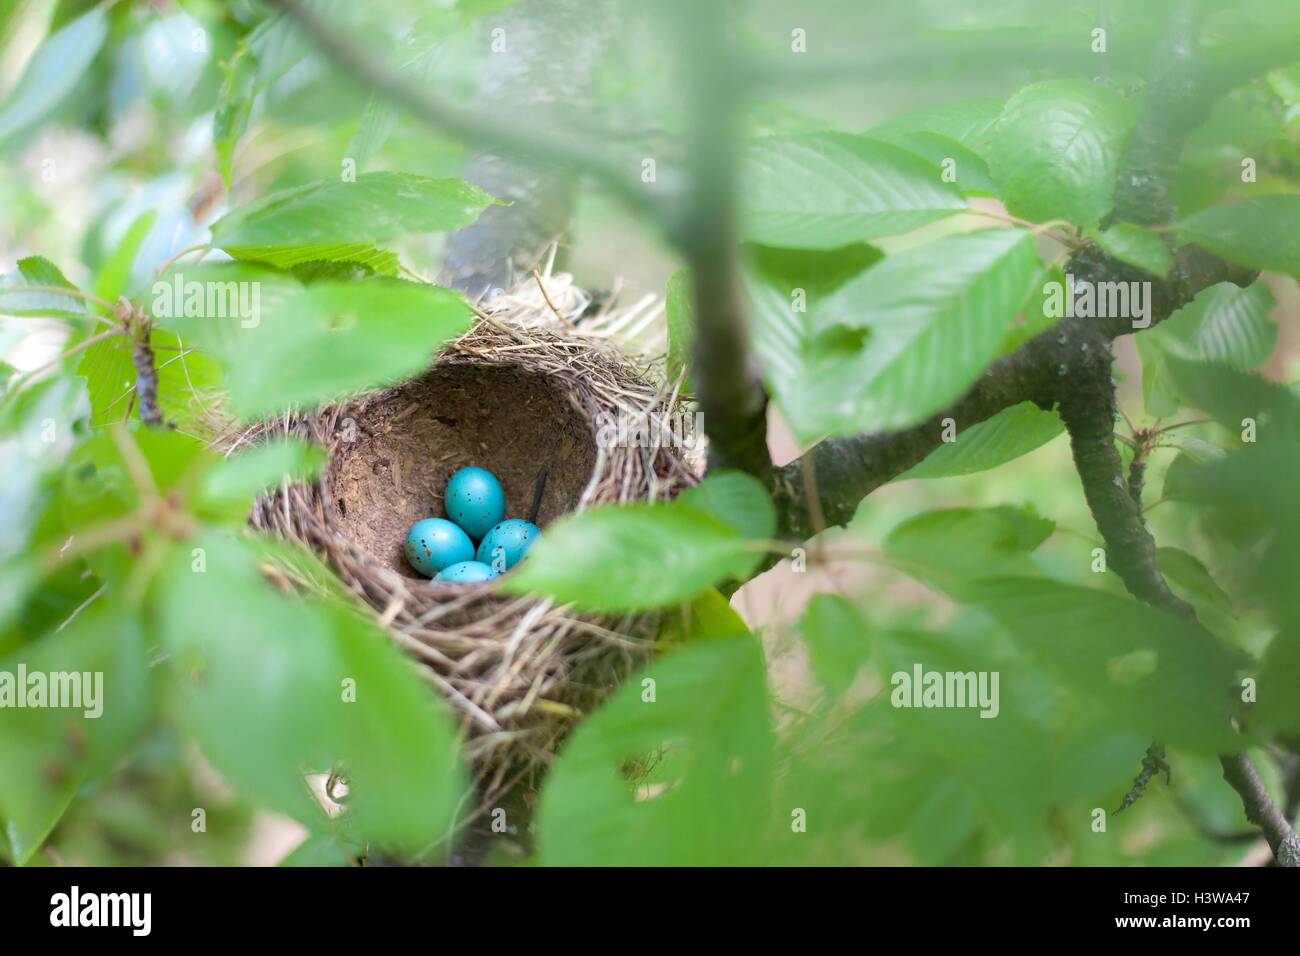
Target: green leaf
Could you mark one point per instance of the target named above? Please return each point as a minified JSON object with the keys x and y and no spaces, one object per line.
{"x":186,"y":379}
{"x":1278,"y":706}
{"x":933,"y":317}
{"x":330,"y":683}
{"x":630,"y":557}
{"x":825,"y":190}
{"x":673,"y":770}
{"x":369,"y":257}
{"x":231,"y":486}
{"x":53,"y":72}
{"x":1056,"y":150}
{"x":737,"y":499}
{"x":1224,"y":323}
{"x":1257,"y":233}
{"x":1138,"y":247}
{"x":1164,"y":675}
{"x":48,"y":754}
{"x":1012,"y":432}
{"x":1004,"y":760}
{"x":680,"y":308}
{"x":1186,"y":572}
{"x":955,"y":162}
{"x":836,"y":636}
{"x":287,"y":344}
{"x":114,"y":278}
{"x":36,"y":271}
{"x":373,"y":209}
{"x":705,"y":616}
{"x":782,"y":285}
{"x":970,"y":122}
{"x":951,"y":547}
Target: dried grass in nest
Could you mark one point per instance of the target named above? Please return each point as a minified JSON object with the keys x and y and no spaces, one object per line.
{"x":523,"y":389}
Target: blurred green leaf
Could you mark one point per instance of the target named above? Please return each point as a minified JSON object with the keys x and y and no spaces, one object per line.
{"x":737,"y":499}
{"x":825,"y":190}
{"x":673,"y":770}
{"x":1256,"y":233}
{"x":1056,"y":150}
{"x":1224,"y":323}
{"x":629,"y":557}
{"x":1137,"y":247}
{"x":231,"y":486}
{"x":375,"y":208}
{"x":36,"y":271}
{"x":836,"y":635}
{"x":287,"y":344}
{"x":335,"y":690}
{"x":951,"y":547}
{"x":1186,"y":572}
{"x":53,"y":72}
{"x":47,"y":753}
{"x":1183,"y":694}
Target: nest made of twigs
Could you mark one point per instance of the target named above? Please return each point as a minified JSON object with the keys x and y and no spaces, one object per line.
{"x":523,"y":390}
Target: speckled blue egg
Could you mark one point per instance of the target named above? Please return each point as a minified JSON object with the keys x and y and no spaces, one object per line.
{"x":466,"y":572}
{"x":475,"y":501}
{"x":435,"y":543}
{"x":506,"y":544}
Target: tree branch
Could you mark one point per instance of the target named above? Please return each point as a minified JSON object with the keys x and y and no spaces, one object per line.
{"x":849,"y":469}
{"x":728,"y":386}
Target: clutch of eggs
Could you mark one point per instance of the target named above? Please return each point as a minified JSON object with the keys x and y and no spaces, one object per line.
{"x":443,"y":548}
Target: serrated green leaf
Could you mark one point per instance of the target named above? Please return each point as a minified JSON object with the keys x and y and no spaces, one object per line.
{"x":37,"y":271}
{"x":375,"y":208}
{"x":954,"y":162}
{"x":970,"y":122}
{"x":1257,"y":233}
{"x":1012,"y":432}
{"x":1224,"y":323}
{"x":287,"y":344}
{"x":673,"y":770}
{"x":909,"y":336}
{"x":371,"y":258}
{"x":1056,"y":150}
{"x":825,"y":190}
{"x":53,"y":72}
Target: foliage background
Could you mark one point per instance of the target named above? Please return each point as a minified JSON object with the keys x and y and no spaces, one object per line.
{"x":127,"y":145}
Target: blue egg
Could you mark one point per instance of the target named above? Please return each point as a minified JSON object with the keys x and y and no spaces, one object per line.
{"x":466,"y":572}
{"x":475,"y":500}
{"x":506,"y":544}
{"x":435,"y":543}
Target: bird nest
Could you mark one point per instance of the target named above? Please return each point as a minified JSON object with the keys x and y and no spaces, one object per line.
{"x":524,"y":391}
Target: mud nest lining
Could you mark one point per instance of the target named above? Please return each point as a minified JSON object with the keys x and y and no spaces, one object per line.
{"x":522,"y":391}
